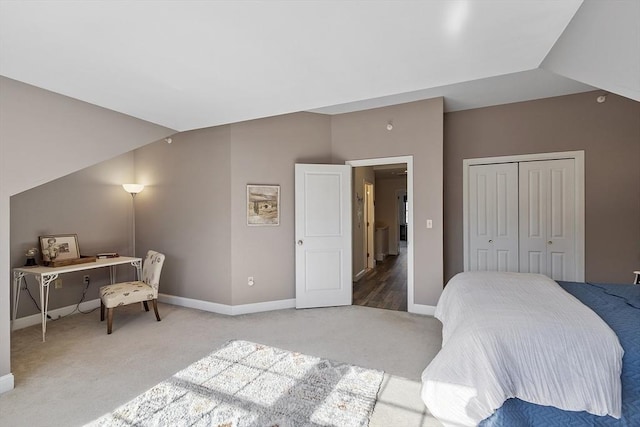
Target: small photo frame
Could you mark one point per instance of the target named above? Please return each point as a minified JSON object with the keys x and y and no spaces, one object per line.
{"x":263,"y":205}
{"x":59,"y":247}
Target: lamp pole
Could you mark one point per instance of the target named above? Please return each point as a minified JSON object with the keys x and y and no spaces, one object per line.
{"x":133,"y":189}
{"x":133,"y":214}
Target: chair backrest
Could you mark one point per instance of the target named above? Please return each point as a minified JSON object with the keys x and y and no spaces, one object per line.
{"x":151,"y":269}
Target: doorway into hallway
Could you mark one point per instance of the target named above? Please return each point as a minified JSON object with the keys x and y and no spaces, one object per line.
{"x":380,"y":233}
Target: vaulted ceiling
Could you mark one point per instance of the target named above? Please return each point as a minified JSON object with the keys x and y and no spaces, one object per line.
{"x":194,"y":64}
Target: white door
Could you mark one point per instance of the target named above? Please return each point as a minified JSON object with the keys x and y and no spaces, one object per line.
{"x":323,"y":235}
{"x":547,"y":218}
{"x":493,"y":213}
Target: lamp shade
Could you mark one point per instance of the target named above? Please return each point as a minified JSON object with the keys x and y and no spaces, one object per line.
{"x":133,"y":188}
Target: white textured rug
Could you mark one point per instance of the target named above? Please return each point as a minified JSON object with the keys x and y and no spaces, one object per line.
{"x":248,"y":384}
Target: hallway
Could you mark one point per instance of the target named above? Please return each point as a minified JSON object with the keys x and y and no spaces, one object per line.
{"x":385,"y":286}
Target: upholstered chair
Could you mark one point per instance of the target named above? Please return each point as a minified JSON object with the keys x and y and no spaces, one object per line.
{"x":125,"y":293}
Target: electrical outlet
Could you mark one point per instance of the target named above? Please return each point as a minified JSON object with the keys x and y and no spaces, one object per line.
{"x":57,"y":283}
{"x":250,"y":281}
{"x":86,"y":279}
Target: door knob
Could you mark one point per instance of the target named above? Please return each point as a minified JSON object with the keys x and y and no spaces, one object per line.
{"x":490,"y":241}
{"x":550,"y":242}
{"x":300,"y":242}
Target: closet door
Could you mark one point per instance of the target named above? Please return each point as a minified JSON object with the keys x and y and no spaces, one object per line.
{"x":493,"y":214}
{"x":547,"y":218}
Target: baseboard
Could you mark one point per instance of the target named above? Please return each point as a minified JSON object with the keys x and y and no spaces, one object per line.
{"x":263,"y":306}
{"x":229,"y":310}
{"x":36,"y":319}
{"x":212,"y":307}
{"x":427,"y":310}
{"x":6,"y":383}
{"x":360,"y":275}
{"x":234,"y":310}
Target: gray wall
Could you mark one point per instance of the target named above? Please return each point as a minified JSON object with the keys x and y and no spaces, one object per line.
{"x":194,"y":206}
{"x":387,"y":207}
{"x":44,"y":136}
{"x":417,"y":131}
{"x":184,"y":212}
{"x":205,"y":234}
{"x":264,"y":152}
{"x":609,"y":134}
{"x":90,"y":203}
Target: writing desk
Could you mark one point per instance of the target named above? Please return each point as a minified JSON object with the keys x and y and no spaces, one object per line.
{"x":46,"y":275}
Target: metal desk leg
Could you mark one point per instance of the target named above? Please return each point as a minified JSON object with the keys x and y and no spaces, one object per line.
{"x":17,"y":277}
{"x":45,"y":281}
{"x":112,"y":274}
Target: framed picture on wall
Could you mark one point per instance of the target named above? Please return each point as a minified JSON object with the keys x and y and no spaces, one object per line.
{"x":59,"y":247}
{"x":263,"y":205}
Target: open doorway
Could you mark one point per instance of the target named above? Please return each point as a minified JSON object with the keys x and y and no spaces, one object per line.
{"x":380,"y":236}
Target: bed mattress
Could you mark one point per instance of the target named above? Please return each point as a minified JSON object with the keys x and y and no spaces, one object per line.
{"x":619,"y":307}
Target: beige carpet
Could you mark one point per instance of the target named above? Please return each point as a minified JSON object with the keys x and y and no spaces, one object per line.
{"x":81,"y":373}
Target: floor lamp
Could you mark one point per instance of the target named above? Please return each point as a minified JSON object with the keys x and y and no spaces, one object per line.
{"x":133,"y":189}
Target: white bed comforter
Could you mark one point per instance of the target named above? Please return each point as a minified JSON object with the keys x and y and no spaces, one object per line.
{"x":519,"y":335}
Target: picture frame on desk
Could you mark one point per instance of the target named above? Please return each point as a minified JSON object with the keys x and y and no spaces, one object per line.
{"x":59,"y":247}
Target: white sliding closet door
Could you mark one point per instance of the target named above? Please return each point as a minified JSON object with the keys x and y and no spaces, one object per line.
{"x":547,"y":218}
{"x":493,"y":210}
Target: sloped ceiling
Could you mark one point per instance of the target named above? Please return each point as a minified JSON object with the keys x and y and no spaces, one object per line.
{"x":194,"y":64}
{"x":601,"y":47}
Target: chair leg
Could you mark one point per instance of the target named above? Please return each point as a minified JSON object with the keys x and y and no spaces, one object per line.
{"x":146,"y":306}
{"x":155,"y":308}
{"x":109,"y":320}
{"x":101,"y":311}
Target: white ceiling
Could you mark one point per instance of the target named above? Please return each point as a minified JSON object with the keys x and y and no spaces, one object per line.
{"x":194,"y":64}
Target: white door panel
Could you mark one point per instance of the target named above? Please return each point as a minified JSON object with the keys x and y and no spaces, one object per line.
{"x":547,"y":218}
{"x":322,"y":270}
{"x":322,"y":213}
{"x":323,"y":235}
{"x":502,"y":259}
{"x":493,"y":209}
{"x":536,"y":262}
{"x":533,"y":215}
{"x":561,"y":243}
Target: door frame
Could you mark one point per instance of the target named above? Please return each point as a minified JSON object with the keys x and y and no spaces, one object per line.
{"x":577,"y":156}
{"x":400,"y":194}
{"x":370,"y":214}
{"x":392,"y":161}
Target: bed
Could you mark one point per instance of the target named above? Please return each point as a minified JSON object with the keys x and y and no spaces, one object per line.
{"x":523,"y":350}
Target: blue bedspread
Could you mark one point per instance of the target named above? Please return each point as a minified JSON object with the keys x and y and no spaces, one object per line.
{"x":619,"y":306}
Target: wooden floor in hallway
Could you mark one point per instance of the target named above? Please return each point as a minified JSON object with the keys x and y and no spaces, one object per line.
{"x":384,"y":286}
